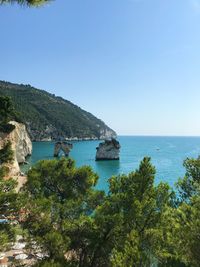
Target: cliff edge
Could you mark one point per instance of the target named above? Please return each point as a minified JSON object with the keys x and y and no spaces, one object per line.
{"x":21,"y":146}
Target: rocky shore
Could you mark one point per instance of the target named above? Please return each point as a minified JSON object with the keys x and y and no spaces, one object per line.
{"x":54,"y":136}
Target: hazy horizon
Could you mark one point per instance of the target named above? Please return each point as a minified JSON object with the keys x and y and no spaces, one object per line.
{"x":133,"y":63}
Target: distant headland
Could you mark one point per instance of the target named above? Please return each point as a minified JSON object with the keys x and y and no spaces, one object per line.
{"x":49,"y":117}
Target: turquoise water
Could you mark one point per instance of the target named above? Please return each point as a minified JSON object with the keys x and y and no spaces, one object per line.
{"x":167,"y":154}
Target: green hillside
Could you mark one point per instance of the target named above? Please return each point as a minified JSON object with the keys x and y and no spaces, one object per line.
{"x":50,"y":117}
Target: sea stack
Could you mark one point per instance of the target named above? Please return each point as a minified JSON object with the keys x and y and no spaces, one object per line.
{"x":62,"y":146}
{"x":108,"y":150}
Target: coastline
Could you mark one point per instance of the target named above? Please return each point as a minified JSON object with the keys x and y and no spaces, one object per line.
{"x":73,"y":139}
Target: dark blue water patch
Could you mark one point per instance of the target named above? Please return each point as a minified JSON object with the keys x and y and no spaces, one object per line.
{"x":167,"y":154}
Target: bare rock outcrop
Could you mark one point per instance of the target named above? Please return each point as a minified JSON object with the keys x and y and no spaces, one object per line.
{"x":108,"y":150}
{"x":62,"y":146}
{"x":21,"y":146}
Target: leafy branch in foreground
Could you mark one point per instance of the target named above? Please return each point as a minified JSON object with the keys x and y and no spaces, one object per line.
{"x":137,"y":224}
{"x":76,"y":224}
{"x":187,"y":216}
{"x":26,"y":2}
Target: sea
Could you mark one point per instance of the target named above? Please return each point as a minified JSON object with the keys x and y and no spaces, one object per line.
{"x":167,"y":155}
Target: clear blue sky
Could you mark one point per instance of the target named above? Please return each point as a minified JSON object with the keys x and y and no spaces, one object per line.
{"x":133,"y":63}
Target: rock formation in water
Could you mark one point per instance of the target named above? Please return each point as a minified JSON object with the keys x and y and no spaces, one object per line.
{"x":108,"y":150}
{"x":62,"y":146}
{"x":21,"y":146}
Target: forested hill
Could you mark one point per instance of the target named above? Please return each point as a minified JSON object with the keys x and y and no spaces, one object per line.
{"x":49,"y":117}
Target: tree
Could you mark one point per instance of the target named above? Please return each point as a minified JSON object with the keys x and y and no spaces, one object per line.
{"x":6,"y":109}
{"x":61,"y":202}
{"x":189,"y":185}
{"x":137,"y":224}
{"x":7,"y":113}
{"x":26,"y":2}
{"x":187,"y":215}
{"x":186,"y":233}
{"x":8,"y":209}
{"x":9,"y":200}
{"x":6,"y":153}
{"x":140,"y":206}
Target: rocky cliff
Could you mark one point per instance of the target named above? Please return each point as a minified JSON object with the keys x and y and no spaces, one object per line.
{"x":108,"y":150}
{"x":21,"y":145}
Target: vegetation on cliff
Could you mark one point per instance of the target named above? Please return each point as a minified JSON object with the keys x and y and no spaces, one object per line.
{"x":48,"y":116}
{"x":6,"y":153}
{"x":7,"y":113}
{"x":9,"y":205}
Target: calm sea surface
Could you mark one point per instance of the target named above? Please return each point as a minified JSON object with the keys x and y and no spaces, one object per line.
{"x":167,"y":154}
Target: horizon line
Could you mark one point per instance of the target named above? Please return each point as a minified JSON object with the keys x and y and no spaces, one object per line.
{"x":149,"y":135}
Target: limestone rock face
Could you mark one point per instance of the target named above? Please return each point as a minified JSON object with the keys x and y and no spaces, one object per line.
{"x":21,"y":145}
{"x":62,"y":146}
{"x":107,"y":134}
{"x":108,"y":150}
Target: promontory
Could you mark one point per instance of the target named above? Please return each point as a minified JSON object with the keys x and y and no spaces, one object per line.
{"x":47,"y":117}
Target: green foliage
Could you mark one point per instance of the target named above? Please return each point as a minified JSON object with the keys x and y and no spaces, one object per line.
{"x":186,"y":236}
{"x":52,"y":263}
{"x":62,"y":200}
{"x":186,"y":217}
{"x":137,"y":224}
{"x":6,"y":153}
{"x":9,"y":205}
{"x":139,"y":207}
{"x":25,"y":2}
{"x":67,"y":215}
{"x":9,"y":199}
{"x":130,"y":255}
{"x":190,"y":184}
{"x":7,"y":113}
{"x":49,"y":116}
{"x":7,"y":128}
{"x":60,"y":179}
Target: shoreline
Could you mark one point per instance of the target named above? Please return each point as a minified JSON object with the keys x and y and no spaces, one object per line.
{"x":73,"y":139}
